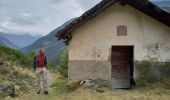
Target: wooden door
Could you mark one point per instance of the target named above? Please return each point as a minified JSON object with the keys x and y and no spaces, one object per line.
{"x":122,"y":66}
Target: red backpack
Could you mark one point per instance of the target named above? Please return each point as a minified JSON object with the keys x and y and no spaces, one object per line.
{"x":40,"y":60}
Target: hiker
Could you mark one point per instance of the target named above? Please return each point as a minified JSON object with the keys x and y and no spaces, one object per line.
{"x":40,"y":67}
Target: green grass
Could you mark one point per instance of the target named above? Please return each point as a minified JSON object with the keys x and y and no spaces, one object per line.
{"x":8,"y":54}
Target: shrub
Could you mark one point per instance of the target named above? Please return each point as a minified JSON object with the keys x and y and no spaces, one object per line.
{"x":143,"y":72}
{"x":63,"y":66}
{"x":165,"y":70}
{"x":149,"y":72}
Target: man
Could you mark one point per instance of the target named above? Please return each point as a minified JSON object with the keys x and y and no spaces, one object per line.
{"x":40,"y":67}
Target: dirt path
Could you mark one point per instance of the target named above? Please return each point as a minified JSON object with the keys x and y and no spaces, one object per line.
{"x":50,"y":78}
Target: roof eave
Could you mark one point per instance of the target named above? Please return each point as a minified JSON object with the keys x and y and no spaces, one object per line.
{"x":143,"y":6}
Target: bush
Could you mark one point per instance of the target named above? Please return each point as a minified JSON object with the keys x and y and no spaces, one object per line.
{"x":149,"y":72}
{"x":143,"y":72}
{"x":165,"y":70}
{"x":63,"y":66}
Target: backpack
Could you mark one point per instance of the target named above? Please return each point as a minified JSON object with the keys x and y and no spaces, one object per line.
{"x":40,"y":60}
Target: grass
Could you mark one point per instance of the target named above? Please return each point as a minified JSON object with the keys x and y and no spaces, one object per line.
{"x":58,"y":91}
{"x":15,"y":71}
{"x":8,"y":54}
{"x":153,"y":93}
{"x":145,"y":90}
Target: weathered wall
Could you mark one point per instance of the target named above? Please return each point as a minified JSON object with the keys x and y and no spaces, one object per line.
{"x":156,"y":40}
{"x":90,"y":47}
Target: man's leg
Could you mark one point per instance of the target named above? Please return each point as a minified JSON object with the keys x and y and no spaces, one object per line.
{"x":45,"y":83}
{"x":38,"y":81}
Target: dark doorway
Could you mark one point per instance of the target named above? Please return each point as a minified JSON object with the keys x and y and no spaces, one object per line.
{"x":122,"y":66}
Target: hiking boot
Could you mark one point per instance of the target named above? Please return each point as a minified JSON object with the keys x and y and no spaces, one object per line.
{"x":38,"y":92}
{"x":45,"y":92}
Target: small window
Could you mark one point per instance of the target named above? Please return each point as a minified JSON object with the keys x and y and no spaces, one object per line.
{"x":121,"y":30}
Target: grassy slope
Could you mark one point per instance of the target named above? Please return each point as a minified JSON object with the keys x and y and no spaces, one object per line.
{"x":12,"y":55}
{"x":15,"y":73}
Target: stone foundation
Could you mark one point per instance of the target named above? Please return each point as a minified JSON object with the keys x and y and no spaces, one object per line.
{"x":89,"y":69}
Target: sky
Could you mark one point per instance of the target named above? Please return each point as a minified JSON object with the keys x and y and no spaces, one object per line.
{"x":39,"y":16}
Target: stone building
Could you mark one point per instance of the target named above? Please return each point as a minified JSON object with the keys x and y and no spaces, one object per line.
{"x":106,"y":40}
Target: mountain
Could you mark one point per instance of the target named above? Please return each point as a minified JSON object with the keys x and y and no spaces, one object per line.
{"x":20,"y":40}
{"x":49,"y":42}
{"x":164,"y":4}
{"x":7,"y":43}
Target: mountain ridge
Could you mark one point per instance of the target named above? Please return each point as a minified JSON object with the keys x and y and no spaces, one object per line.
{"x":7,"y":43}
{"x":50,"y":43}
{"x":20,"y":40}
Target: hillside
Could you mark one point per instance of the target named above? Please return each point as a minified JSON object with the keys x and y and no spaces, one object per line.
{"x":6,"y":42}
{"x":16,"y":76}
{"x":50,"y":44}
{"x":20,"y":40}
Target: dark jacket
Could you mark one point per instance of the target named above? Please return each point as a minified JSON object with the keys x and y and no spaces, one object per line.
{"x":34,"y":63}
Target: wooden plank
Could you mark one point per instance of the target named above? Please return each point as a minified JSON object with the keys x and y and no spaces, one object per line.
{"x":121,"y":66}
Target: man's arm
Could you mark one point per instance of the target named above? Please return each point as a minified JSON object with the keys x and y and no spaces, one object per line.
{"x":45,"y":62}
{"x":34,"y":63}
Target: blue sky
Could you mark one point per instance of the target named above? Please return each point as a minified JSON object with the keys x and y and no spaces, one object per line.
{"x":39,"y":16}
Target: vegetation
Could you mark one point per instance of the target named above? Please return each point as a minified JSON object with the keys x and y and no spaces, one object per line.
{"x":8,"y":54}
{"x":59,"y":86}
{"x":31,"y":53}
{"x":63,"y":66}
{"x":58,"y":90}
{"x":149,"y":73}
{"x":16,"y":78}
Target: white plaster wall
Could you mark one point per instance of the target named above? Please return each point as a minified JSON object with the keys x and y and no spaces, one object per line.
{"x":93,"y":40}
{"x":98,"y":35}
{"x":155,"y":34}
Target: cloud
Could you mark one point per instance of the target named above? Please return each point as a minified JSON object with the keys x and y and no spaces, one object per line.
{"x":86,"y":5}
{"x":39,"y":16}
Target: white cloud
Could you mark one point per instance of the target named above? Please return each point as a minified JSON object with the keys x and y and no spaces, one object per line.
{"x":39,"y":16}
